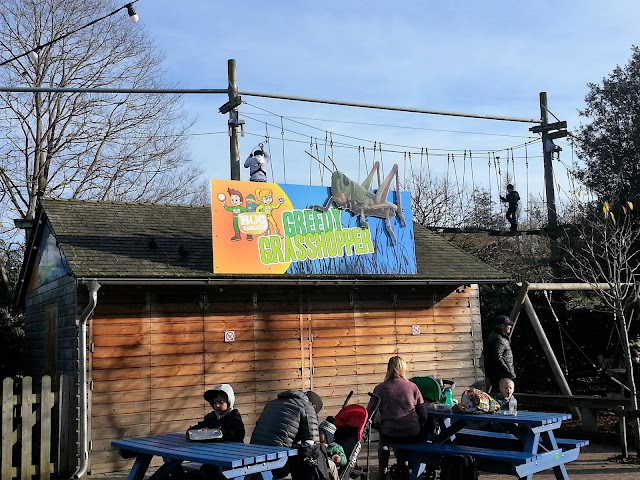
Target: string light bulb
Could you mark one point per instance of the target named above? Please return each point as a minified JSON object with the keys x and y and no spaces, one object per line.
{"x":33,"y":54}
{"x":133,"y":16}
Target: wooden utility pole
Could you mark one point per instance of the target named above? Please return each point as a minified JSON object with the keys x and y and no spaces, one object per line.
{"x":549,"y":131}
{"x":552,"y":213}
{"x":234,"y":124}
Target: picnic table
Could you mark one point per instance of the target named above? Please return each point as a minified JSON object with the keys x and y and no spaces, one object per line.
{"x":520,"y":444}
{"x":235,"y":460}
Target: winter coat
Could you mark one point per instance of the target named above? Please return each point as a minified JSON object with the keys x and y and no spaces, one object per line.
{"x":511,"y":404}
{"x":230,"y":423}
{"x":288,"y":419}
{"x":402,"y":410}
{"x":498,"y":361}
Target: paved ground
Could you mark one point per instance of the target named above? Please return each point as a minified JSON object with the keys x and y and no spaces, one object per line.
{"x":591,"y":465}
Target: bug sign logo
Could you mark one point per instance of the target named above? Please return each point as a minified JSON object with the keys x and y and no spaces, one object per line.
{"x":253,"y":223}
{"x":274,"y":228}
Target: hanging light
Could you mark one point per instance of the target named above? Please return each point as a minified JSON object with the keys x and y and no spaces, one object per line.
{"x":133,"y":16}
{"x":33,"y":54}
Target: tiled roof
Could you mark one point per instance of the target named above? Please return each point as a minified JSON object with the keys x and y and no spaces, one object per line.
{"x":132,"y":240}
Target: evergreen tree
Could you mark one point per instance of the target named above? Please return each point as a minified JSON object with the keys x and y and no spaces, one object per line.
{"x":610,"y":144}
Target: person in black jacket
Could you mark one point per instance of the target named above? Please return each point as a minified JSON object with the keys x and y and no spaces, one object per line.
{"x":512,"y":199}
{"x":498,"y":359}
{"x":224,"y":416}
{"x":289,"y":419}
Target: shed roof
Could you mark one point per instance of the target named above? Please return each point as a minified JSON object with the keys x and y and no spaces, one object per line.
{"x":154,"y":241}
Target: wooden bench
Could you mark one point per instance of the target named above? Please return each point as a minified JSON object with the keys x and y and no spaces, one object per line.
{"x":499,"y":439}
{"x":495,"y":460}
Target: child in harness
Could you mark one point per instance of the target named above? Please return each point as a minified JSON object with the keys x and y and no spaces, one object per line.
{"x":257,"y":163}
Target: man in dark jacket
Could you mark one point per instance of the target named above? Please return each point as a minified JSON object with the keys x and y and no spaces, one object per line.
{"x":498,"y":359}
{"x":291,"y":418}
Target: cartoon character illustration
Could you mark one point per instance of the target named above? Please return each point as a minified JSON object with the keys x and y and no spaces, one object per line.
{"x":252,"y":203}
{"x":266,"y":206}
{"x":235,"y":198}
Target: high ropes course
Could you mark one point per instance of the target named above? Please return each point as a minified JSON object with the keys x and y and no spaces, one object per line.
{"x":469,"y":181}
{"x":465,"y":184}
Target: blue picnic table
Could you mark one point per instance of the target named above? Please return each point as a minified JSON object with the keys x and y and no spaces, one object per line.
{"x":235,"y":460}
{"x":520,"y":444}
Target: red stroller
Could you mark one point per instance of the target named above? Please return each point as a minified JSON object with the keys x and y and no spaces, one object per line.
{"x":353,"y":425}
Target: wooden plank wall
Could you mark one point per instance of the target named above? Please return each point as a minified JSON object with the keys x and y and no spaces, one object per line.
{"x":155,"y":350}
{"x":61,"y":295}
{"x":57,"y":301}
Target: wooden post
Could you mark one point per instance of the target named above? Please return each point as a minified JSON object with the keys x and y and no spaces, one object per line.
{"x":27,"y":470}
{"x":47,"y":401}
{"x":551,"y":357}
{"x":66,"y":443}
{"x":623,"y":435}
{"x":552,"y":216}
{"x":9,"y":435}
{"x":234,"y":143}
{"x":517,"y":306}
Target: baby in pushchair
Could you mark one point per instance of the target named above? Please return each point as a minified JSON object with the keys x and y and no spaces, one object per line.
{"x":353,"y":427}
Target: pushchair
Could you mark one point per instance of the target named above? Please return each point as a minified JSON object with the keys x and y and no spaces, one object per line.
{"x":353,"y":426}
{"x":432,"y":389}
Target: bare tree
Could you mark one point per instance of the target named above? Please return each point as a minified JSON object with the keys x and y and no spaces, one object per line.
{"x":87,"y":146}
{"x":437,"y":203}
{"x":606,"y":252}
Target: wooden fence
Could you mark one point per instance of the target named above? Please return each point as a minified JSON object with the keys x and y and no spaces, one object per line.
{"x":28,"y":420}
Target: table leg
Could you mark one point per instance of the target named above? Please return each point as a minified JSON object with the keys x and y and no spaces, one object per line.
{"x":139,"y":467}
{"x":560,"y":471}
{"x":171,"y":469}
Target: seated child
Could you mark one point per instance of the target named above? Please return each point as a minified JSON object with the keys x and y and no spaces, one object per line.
{"x":337,"y":457}
{"x":224,"y":417}
{"x":505,"y":398}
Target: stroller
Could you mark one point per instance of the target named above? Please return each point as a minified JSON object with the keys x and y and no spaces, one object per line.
{"x":432,"y":389}
{"x":353,"y":425}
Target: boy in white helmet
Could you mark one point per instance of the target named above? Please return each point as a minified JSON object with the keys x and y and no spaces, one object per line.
{"x":224,"y":416}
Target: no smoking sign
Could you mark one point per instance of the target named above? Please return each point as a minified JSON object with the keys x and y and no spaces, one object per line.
{"x":229,"y":337}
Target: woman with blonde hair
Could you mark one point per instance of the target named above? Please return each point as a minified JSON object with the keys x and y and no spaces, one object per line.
{"x":402,"y":411}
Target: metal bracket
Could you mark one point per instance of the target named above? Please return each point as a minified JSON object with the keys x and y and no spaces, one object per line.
{"x":255,"y":299}
{"x":204,"y":301}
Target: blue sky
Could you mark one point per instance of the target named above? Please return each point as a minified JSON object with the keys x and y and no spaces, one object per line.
{"x":461,"y":56}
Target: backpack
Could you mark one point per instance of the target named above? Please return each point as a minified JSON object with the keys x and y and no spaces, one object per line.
{"x":477,"y":401}
{"x":311,"y":463}
{"x":458,"y":467}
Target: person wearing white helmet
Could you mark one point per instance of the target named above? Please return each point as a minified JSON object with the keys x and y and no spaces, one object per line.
{"x":257,"y":163}
{"x":224,"y":416}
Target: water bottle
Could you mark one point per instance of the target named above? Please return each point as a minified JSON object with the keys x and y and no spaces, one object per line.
{"x":448,"y":396}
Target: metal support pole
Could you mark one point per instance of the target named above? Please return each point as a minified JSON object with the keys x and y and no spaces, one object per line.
{"x":234,"y":143}
{"x":551,"y":357}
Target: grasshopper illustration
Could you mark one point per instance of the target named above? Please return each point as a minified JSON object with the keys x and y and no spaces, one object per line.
{"x":356,"y":198}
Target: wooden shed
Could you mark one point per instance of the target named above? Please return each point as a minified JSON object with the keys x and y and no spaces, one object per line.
{"x":161,"y":327}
